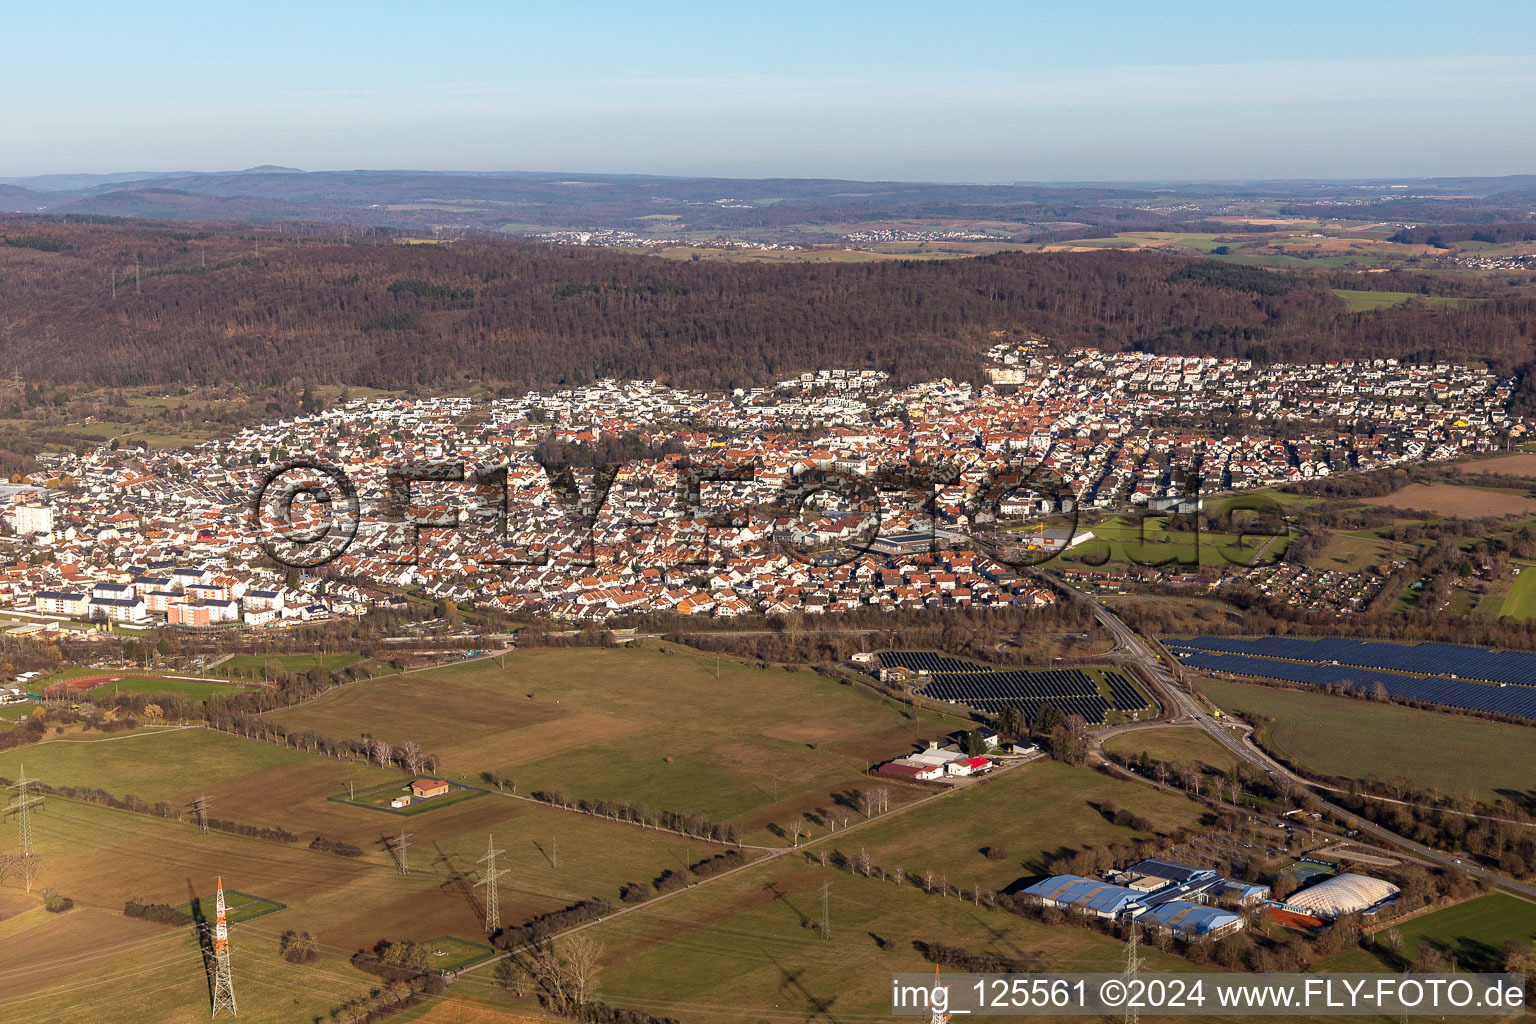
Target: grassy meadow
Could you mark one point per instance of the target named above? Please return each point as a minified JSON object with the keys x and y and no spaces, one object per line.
{"x":1351,"y":738}
{"x":647,"y":725}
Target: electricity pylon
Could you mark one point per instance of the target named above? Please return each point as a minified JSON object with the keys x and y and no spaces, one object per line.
{"x":223,"y":984}
{"x":938,"y":1016}
{"x":492,"y":872}
{"x":22,"y":807}
{"x":401,"y":846}
{"x":1133,"y":962}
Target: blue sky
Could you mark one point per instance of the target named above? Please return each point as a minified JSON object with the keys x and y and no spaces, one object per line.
{"x":991,"y":92}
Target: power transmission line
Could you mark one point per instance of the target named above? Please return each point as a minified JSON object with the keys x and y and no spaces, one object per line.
{"x":22,"y":806}
{"x":492,"y":873}
{"x":223,"y":983}
{"x":826,"y":922}
{"x":1133,"y":962}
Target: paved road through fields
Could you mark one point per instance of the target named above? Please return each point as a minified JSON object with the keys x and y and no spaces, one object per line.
{"x":1130,"y":646}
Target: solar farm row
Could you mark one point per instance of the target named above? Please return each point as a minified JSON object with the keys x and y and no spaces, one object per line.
{"x":1518,"y":701}
{"x":1070,"y":690}
{"x":927,"y":661}
{"x":1123,"y":693}
{"x":1426,"y":659}
{"x":1093,"y":709}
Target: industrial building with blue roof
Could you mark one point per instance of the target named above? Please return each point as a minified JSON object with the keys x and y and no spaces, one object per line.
{"x":1163,"y":895}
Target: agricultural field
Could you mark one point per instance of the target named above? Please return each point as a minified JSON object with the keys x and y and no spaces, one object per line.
{"x":1034,"y":812}
{"x":748,"y":942}
{"x":754,"y":746}
{"x":1184,"y":747}
{"x":1343,"y":246}
{"x":1350,"y":738}
{"x":163,"y":764}
{"x":1518,"y":464}
{"x":103,"y":857}
{"x":1456,"y":501}
{"x":1473,"y":933}
{"x":1364,"y":301}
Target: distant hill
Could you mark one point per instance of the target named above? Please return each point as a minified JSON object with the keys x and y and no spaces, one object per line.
{"x":14,"y":199}
{"x":781,"y":209}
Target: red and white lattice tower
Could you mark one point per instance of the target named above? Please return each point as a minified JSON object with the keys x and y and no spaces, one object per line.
{"x":223,"y":986}
{"x":938,"y":1017}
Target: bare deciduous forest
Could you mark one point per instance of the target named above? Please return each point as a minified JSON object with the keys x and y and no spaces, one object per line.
{"x":128,"y":303}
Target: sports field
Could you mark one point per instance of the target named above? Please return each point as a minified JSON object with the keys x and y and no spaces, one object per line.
{"x":262,"y":666}
{"x":754,"y":746}
{"x":1351,"y":738}
{"x":1146,"y":541}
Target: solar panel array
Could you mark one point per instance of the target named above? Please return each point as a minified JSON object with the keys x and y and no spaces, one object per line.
{"x":927,"y":661}
{"x":1123,"y":693}
{"x":1518,"y":701}
{"x":1069,"y":690}
{"x":1426,"y":659}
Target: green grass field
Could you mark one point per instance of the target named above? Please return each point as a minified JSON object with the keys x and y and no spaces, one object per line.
{"x":1034,"y":812}
{"x":262,"y":665}
{"x":447,"y":953}
{"x":1366,"y":301}
{"x":187,"y":688}
{"x":103,"y":857}
{"x":1146,"y":542}
{"x":744,"y":948}
{"x":1474,"y":933}
{"x":378,"y":798}
{"x":637,"y":724}
{"x":162,"y":765}
{"x":1351,"y":738}
{"x":1350,"y":552}
{"x":1520,"y":600}
{"x":1182,"y":746}
{"x":239,"y":907}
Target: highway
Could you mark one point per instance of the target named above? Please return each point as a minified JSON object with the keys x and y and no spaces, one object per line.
{"x":1131,"y":648}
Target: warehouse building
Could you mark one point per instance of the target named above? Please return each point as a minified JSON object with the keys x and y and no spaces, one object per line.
{"x":1087,"y":896}
{"x":1185,"y":920}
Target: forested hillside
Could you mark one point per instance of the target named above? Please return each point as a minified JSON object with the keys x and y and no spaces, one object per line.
{"x":220,"y":304}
